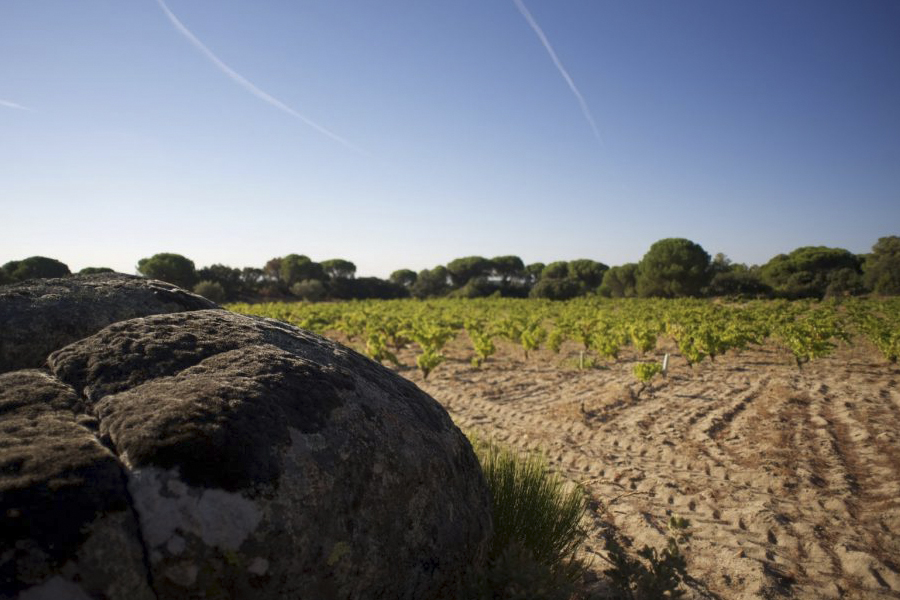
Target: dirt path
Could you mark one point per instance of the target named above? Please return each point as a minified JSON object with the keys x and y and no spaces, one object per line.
{"x":791,"y":479}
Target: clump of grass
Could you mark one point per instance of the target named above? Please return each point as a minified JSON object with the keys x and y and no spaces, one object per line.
{"x":537,"y":527}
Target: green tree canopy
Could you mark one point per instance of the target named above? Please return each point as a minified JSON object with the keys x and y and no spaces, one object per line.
{"x":673,"y":267}
{"x":533,"y":272}
{"x":404,"y":277}
{"x":34,"y":267}
{"x":882,"y":266}
{"x":463,"y":269}
{"x":508,"y":267}
{"x":297,"y":267}
{"x":431,"y":283}
{"x":211,"y":290}
{"x":556,"y":270}
{"x":807,"y":272}
{"x":311,"y":290}
{"x":587,"y":272}
{"x":556,"y":289}
{"x":229,"y":279}
{"x":338,"y":268}
{"x":169,"y":267}
{"x":95,"y":270}
{"x":619,"y":282}
{"x":272,"y":269}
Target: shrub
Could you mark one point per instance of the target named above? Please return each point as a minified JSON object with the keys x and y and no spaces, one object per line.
{"x":619,"y":282}
{"x":34,"y":267}
{"x":338,"y":268}
{"x":309,"y":289}
{"x":211,"y":290}
{"x":295,"y":268}
{"x":556,"y":289}
{"x":404,"y":277}
{"x":95,"y":270}
{"x":430,"y":283}
{"x":672,"y":268}
{"x":464,"y":269}
{"x":588,"y":272}
{"x":537,"y":523}
{"x":882,"y":267}
{"x":738,"y":283}
{"x":807,"y":272}
{"x":169,"y":267}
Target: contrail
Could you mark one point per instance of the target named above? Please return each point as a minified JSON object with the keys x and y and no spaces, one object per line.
{"x":559,"y":66}
{"x":247,"y":85}
{"x":9,"y":104}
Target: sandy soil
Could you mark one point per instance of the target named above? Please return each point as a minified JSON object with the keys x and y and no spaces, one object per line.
{"x":790,"y":478}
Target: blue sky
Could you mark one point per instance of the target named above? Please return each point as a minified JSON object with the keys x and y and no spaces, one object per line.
{"x":750,"y":128}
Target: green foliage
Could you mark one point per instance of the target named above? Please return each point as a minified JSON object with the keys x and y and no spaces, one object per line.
{"x":807,"y":272}
{"x":404,"y":277}
{"x":428,"y":360}
{"x":338,"y":268}
{"x":230,"y":279}
{"x":881,"y":324}
{"x":702,"y":329}
{"x":556,"y":289}
{"x":169,"y":267}
{"x":658,"y":575}
{"x":606,"y":340}
{"x":295,"y":268}
{"x":587,"y":272}
{"x":482,"y":341}
{"x":431,"y":283}
{"x":743,"y":284}
{"x":311,"y":290}
{"x":537,"y":522}
{"x":95,"y":270}
{"x":533,"y":272}
{"x":477,"y":287}
{"x":377,"y":348}
{"x":431,"y":338}
{"x":812,"y":336}
{"x":517,"y":575}
{"x":882,"y":266}
{"x":463,"y":269}
{"x":34,"y":267}
{"x":644,"y":372}
{"x":619,"y":282}
{"x":532,"y":336}
{"x":673,"y":267}
{"x":555,"y":340}
{"x":508,"y":268}
{"x":643,"y":337}
{"x":556,"y":270}
{"x":211,"y":290}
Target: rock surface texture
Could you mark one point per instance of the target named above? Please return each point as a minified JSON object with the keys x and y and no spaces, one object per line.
{"x":206,"y":454}
{"x":43,"y":315}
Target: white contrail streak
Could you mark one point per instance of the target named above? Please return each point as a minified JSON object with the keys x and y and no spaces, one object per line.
{"x":559,"y":66}
{"x":9,"y":104}
{"x":247,"y":85}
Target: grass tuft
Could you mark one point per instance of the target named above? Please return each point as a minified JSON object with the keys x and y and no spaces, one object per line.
{"x":537,"y":523}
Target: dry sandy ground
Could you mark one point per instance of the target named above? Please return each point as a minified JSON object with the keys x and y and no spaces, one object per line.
{"x":790,"y":478}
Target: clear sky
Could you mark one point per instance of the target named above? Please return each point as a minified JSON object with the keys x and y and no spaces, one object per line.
{"x":404,"y":134}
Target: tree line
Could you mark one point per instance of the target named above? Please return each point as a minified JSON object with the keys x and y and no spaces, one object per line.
{"x":671,"y":268}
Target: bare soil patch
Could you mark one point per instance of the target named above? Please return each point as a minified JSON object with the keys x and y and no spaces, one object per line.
{"x":790,"y":478}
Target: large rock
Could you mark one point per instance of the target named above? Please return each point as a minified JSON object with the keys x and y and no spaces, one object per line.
{"x":43,"y":315}
{"x":221,"y":456}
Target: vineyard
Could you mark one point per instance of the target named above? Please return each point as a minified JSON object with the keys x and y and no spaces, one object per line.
{"x":604,"y":329}
{"x":774,"y":427}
